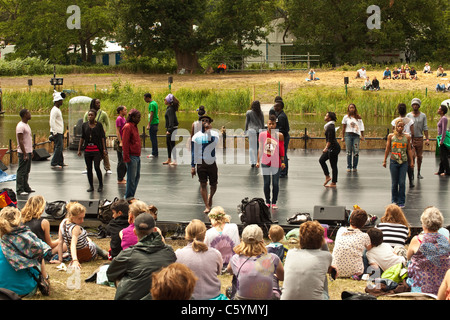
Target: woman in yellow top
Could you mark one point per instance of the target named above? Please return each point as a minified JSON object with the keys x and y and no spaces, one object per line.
{"x":399,"y":146}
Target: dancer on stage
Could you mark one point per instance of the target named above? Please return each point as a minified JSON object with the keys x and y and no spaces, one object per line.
{"x":444,"y":168}
{"x":271,"y":157}
{"x":352,"y":133}
{"x":331,"y":151}
{"x":399,"y":146}
{"x":203,"y":155}
{"x":171,"y":126}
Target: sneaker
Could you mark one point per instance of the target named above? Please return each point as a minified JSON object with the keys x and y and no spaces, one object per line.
{"x":23,"y":193}
{"x":108,"y":171}
{"x":84,"y":172}
{"x":274,"y":206}
{"x":401,"y":206}
{"x":150,"y":156}
{"x":30,"y":191}
{"x":57,"y":167}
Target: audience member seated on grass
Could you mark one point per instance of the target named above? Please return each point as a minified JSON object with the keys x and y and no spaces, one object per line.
{"x":396,"y":73}
{"x":394,"y":225}
{"x":367,"y":84}
{"x":444,"y":289}
{"x":21,"y":251}
{"x":174,"y":282}
{"x":312,"y":76}
{"x":380,"y":256}
{"x":349,"y":247}
{"x":306,"y":268}
{"x":375,"y":84}
{"x":441,"y":87}
{"x":80,"y":247}
{"x":132,"y":269}
{"x":127,"y":234}
{"x":32,"y":217}
{"x":440,"y":72}
{"x":413,"y":74}
{"x":222,"y":235}
{"x":276,"y":235}
{"x":119,"y":222}
{"x":387,"y":74}
{"x":402,"y":72}
{"x":204,"y":261}
{"x":428,"y":254}
{"x":253,"y":268}
{"x":427,"y":68}
{"x":361,"y":73}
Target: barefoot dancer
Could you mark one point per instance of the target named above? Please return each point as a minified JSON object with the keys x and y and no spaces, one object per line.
{"x":203,"y":154}
{"x":331,"y":151}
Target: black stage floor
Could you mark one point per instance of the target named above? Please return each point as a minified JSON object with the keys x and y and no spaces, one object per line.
{"x":176,"y":194}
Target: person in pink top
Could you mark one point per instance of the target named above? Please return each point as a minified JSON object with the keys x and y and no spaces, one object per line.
{"x":120,"y":123}
{"x":271,"y":159}
{"x":444,"y":168}
{"x":24,"y":151}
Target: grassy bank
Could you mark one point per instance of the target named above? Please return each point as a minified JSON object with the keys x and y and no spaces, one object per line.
{"x":317,"y":99}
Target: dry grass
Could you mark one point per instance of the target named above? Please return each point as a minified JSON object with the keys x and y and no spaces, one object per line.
{"x":93,"y":291}
{"x":264,"y":85}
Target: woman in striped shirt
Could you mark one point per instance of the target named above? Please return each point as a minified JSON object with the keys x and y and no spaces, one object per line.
{"x":395,"y":226}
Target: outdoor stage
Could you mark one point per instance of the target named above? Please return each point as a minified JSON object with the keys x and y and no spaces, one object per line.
{"x":176,"y":194}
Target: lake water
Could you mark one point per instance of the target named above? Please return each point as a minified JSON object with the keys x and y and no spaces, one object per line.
{"x":39,"y":123}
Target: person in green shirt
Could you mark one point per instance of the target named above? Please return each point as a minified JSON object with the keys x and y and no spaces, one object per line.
{"x":101,"y":117}
{"x":153,"y":121}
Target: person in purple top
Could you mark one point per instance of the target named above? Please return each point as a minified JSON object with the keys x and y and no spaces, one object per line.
{"x":120,"y":123}
{"x":444,"y":168}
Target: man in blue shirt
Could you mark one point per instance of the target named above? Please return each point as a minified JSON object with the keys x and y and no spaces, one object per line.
{"x":387,"y":74}
{"x":203,"y":160}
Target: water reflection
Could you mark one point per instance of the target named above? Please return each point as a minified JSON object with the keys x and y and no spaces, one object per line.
{"x":375,"y":127}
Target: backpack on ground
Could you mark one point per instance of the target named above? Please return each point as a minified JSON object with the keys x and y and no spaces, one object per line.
{"x":105,"y":213}
{"x":254,"y":211}
{"x":57,"y":209}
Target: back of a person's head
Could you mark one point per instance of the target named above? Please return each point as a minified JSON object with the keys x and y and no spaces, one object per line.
{"x":144,"y":224}
{"x":432,"y":219}
{"x":195,"y":233}
{"x":376,"y":236}
{"x":217,"y":215}
{"x":358,"y":218}
{"x":137,"y":207}
{"x":10,"y":219}
{"x":276,"y":233}
{"x":34,"y":208}
{"x":121,"y":205}
{"x":394,"y":214}
{"x":311,"y":235}
{"x":401,"y":108}
{"x":174,"y":282}
{"x":74,"y":209}
{"x":252,"y":243}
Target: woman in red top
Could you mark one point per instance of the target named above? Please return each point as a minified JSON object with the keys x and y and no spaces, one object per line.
{"x":131,"y":148}
{"x":271,"y":159}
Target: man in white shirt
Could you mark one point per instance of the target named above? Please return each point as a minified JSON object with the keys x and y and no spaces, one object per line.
{"x":361,"y":73}
{"x":24,"y":152}
{"x":57,"y":130}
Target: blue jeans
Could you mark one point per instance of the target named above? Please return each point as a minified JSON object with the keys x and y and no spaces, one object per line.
{"x":398,"y":178}
{"x":271,"y":173}
{"x":133,"y":176}
{"x":352,"y":148}
{"x":58,"y":158}
{"x":154,"y":139}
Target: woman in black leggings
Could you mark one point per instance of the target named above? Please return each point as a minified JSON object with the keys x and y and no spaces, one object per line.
{"x":171,"y":125}
{"x":331,"y":151}
{"x":93,"y":142}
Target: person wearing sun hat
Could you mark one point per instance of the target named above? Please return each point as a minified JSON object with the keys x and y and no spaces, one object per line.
{"x":57,"y":130}
{"x":254,"y":268}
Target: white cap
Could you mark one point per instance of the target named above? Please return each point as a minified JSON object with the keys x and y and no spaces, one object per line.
{"x":57,"y":96}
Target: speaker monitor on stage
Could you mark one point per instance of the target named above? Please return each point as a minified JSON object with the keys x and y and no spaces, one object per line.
{"x":329,"y":214}
{"x":91,"y":207}
{"x":40,"y":154}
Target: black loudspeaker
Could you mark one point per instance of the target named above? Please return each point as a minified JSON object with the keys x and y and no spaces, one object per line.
{"x":40,"y":154}
{"x":345,"y":80}
{"x":329,"y":214}
{"x":3,"y":167}
{"x":91,"y":207}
